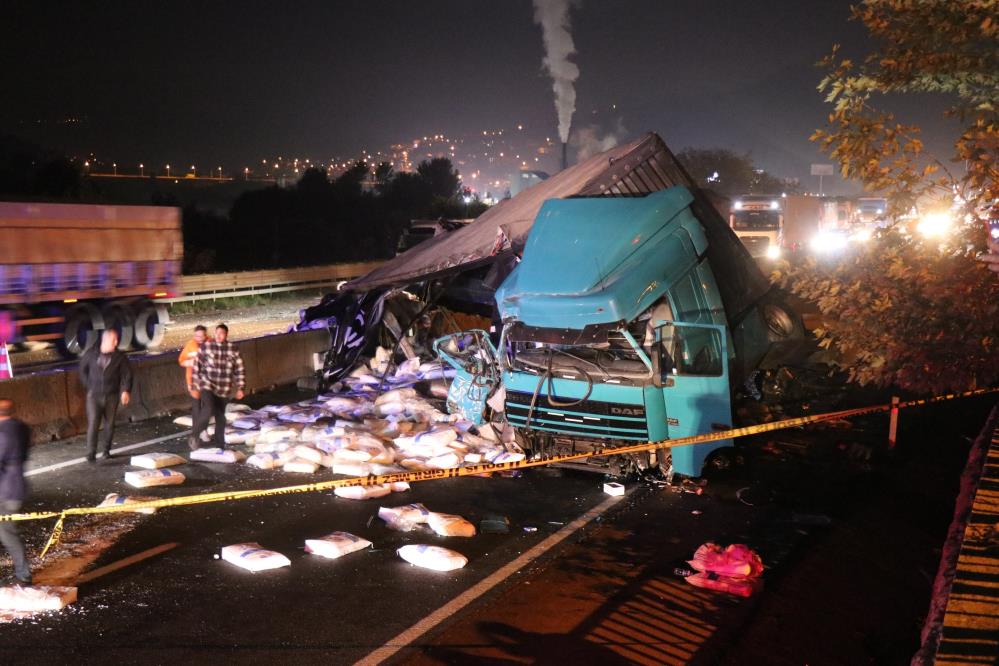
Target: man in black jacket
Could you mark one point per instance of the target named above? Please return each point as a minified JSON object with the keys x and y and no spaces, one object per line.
{"x":14,"y":438}
{"x":107,"y":377}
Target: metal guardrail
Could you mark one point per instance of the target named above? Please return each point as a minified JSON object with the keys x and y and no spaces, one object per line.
{"x":248,"y":283}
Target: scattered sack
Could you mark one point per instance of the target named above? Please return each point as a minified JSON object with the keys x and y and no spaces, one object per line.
{"x":351,"y":468}
{"x":218,"y":455}
{"x":32,"y":598}
{"x":336,"y":544}
{"x":432,"y":557}
{"x":446,"y":524}
{"x":157,"y":460}
{"x":302,"y":466}
{"x":114,"y":499}
{"x":306,"y":452}
{"x":185,"y":421}
{"x":363,"y":492}
{"x":154,"y":477}
{"x":253,"y":557}
{"x":268,"y":460}
{"x":404,"y":518}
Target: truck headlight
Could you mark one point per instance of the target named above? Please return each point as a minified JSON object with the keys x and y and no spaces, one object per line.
{"x":774,"y":205}
{"x":773,"y":252}
{"x":737,"y":205}
{"x":862,"y":235}
{"x":828,"y":242}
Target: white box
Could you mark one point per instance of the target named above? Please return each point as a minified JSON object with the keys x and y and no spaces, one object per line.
{"x":615,"y":489}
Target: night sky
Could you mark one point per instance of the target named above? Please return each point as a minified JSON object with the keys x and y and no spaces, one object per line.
{"x":229,"y":83}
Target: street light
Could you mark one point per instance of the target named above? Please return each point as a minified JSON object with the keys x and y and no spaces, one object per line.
{"x":194,"y":171}
{"x":86,"y":165}
{"x":168,"y":170}
{"x":246,"y":173}
{"x":114,"y":165}
{"x":220,"y":173}
{"x":142,"y":169}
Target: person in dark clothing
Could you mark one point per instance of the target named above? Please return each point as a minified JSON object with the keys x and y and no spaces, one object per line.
{"x":14,"y":438}
{"x":107,"y":376}
{"x":218,"y":377}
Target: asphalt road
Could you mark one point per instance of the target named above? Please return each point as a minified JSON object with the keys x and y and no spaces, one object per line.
{"x":593,"y":584}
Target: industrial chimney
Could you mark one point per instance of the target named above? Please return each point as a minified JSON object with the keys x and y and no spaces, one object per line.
{"x":565,"y":161}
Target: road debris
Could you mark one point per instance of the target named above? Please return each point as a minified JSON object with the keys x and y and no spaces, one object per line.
{"x":156,"y":460}
{"x":154,"y":477}
{"x":432,"y":557}
{"x":735,"y":569}
{"x":35,"y":598}
{"x":253,"y":557}
{"x":614,"y":489}
{"x":449,"y":525}
{"x":114,"y":499}
{"x":336,"y":544}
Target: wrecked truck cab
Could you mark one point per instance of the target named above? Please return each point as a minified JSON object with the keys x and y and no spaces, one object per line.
{"x":614,"y":331}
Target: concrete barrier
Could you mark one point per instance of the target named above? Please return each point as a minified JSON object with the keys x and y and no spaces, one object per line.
{"x":53,"y":403}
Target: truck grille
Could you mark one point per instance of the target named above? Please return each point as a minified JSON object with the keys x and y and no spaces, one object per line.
{"x":590,"y":418}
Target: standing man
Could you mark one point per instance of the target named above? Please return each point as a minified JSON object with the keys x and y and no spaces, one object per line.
{"x":107,"y":377}
{"x":14,"y":438}
{"x":218,"y":377}
{"x":188,"y":355}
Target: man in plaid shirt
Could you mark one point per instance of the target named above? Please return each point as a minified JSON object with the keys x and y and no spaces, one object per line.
{"x":217,"y":377}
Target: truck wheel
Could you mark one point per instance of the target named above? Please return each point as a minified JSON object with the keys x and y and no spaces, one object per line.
{"x":150,"y":325}
{"x":83,"y":326}
{"x":119,"y":317}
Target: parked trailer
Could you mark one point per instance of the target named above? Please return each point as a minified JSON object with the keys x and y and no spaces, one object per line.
{"x":68,"y":271}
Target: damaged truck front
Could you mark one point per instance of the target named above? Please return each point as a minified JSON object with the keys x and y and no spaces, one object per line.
{"x":614,"y":330}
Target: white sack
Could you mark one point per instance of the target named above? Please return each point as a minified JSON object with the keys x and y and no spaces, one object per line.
{"x":156,"y":460}
{"x":154,"y":477}
{"x":253,"y":557}
{"x":432,"y":557}
{"x":336,"y":545}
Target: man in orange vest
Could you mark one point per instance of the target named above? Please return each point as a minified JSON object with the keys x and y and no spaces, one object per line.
{"x":187,"y":357}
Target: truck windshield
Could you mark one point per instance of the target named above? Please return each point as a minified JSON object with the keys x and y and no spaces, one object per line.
{"x":756,"y":220}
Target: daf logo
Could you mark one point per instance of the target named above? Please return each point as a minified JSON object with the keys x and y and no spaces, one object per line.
{"x":627,"y":411}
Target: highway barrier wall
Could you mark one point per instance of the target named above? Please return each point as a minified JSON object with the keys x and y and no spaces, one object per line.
{"x":53,"y":402}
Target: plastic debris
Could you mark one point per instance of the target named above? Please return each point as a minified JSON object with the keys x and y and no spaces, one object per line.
{"x":432,"y":557}
{"x":404,"y":518}
{"x":254,"y":557}
{"x":156,"y":460}
{"x":449,"y":525}
{"x":735,"y":569}
{"x":34,"y":598}
{"x":494,"y":525}
{"x":218,"y":455}
{"x":336,"y":544}
{"x":154,"y":477}
{"x":114,"y":499}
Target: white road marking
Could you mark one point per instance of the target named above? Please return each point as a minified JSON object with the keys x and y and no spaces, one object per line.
{"x":120,"y":449}
{"x":452,"y":607}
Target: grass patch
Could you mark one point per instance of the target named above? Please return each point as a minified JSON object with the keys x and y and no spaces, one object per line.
{"x":210,"y":305}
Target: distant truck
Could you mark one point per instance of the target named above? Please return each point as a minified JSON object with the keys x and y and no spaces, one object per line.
{"x":624,"y":334}
{"x":870,"y":211}
{"x":758,"y":221}
{"x":67,"y":271}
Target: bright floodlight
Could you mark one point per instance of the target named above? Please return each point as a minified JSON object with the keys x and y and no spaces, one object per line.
{"x":934,"y":225}
{"x":773,"y":252}
{"x":738,"y":205}
{"x":774,"y":205}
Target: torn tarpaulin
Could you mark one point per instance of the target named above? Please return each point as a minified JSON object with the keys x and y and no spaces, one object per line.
{"x":351,"y":319}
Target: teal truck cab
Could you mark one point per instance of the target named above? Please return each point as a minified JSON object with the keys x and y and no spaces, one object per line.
{"x":614,"y":331}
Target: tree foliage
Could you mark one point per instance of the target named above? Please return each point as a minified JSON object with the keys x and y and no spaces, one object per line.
{"x":905,"y":310}
{"x":728,"y":172}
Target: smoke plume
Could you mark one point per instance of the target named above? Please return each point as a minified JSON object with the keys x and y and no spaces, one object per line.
{"x":553,"y":17}
{"x":591,"y":139}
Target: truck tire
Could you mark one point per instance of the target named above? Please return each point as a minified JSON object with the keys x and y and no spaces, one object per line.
{"x":119,"y":317}
{"x":150,"y":325}
{"x":83,"y":326}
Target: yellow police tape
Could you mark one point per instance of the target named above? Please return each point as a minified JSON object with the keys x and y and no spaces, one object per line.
{"x":472,"y":470}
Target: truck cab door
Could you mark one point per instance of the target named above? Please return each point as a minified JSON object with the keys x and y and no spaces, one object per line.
{"x":692,"y":366}
{"x":473,"y":356}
